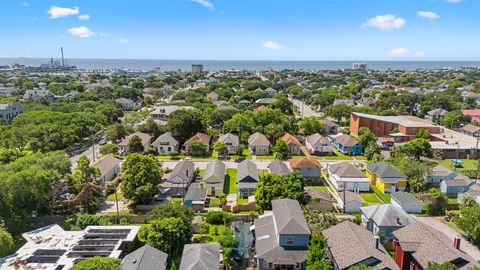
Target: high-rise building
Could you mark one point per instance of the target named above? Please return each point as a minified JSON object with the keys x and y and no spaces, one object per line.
{"x":197,"y":69}
{"x":359,"y":66}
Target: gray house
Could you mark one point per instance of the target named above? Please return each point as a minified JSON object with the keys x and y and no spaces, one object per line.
{"x":195,"y":197}
{"x":127,"y":104}
{"x":281,"y":238}
{"x":407,"y":202}
{"x":258,"y":144}
{"x":231,"y":141}
{"x":45,"y":95}
{"x":145,"y":258}
{"x":166,"y":144}
{"x":471,"y":130}
{"x":214,"y":178}
{"x":176,"y":182}
{"x":201,"y":257}
{"x":385,"y":219}
{"x":109,"y":168}
{"x":144,"y":137}
{"x":9,"y":111}
{"x":436,"y":115}
{"x":331,"y":127}
{"x":247,"y":178}
{"x":278,"y":167}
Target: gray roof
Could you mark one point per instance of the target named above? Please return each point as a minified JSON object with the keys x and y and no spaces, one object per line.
{"x":440,"y":170}
{"x":351,"y":244}
{"x":289,"y":217}
{"x":350,"y":197}
{"x":36,"y":93}
{"x":386,"y":172}
{"x":258,"y":139}
{"x":278,"y":167}
{"x":229,"y":137}
{"x":195,"y":192}
{"x":165,"y":139}
{"x":145,"y":258}
{"x":106,"y":164}
{"x":405,"y":199}
{"x":201,"y":257}
{"x":317,"y":140}
{"x":438,"y":111}
{"x":387,"y":215}
{"x":184,"y":169}
{"x":215,"y":172}
{"x":146,"y":138}
{"x":346,"y":169}
{"x":247,"y":168}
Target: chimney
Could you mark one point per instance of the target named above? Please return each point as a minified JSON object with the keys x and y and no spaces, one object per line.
{"x":376,"y":241}
{"x":398,"y":221}
{"x":456,"y":242}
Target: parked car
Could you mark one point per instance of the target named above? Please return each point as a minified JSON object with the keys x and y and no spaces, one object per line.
{"x":238,"y":160}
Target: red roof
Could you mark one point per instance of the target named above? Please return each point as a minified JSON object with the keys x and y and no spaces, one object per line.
{"x":304,"y":163}
{"x":289,"y":139}
{"x":473,"y":112}
{"x":199,"y":137}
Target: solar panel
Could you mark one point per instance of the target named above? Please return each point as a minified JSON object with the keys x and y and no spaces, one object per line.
{"x":49,"y":252}
{"x":42,"y":259}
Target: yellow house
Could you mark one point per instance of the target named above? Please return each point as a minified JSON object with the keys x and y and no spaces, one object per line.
{"x":386,"y":178}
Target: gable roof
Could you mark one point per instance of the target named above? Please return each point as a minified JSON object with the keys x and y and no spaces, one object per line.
{"x":438,"y":111}
{"x":289,"y":217}
{"x":144,"y":137}
{"x":351,"y":244}
{"x":196,"y":192}
{"x":317,"y":140}
{"x":185,"y":169}
{"x":405,"y":199}
{"x":166,"y":138}
{"x":145,"y":258}
{"x":304,"y":163}
{"x":385,"y":171}
{"x":290,"y":139}
{"x":199,"y":137}
{"x":215,"y":172}
{"x":345,"y":140}
{"x":471,"y":128}
{"x":440,"y":170}
{"x":258,"y":139}
{"x":201,"y":257}
{"x":346,"y":169}
{"x":350,"y":197}
{"x":430,"y":245}
{"x":247,"y":168}
{"x":387,"y":215}
{"x":231,"y":137}
{"x":106,"y":164}
{"x":278,"y":167}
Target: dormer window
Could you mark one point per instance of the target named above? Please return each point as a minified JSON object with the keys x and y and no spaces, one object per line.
{"x":289,"y":240}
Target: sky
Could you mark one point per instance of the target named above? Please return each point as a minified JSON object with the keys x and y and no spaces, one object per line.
{"x":242,"y":29}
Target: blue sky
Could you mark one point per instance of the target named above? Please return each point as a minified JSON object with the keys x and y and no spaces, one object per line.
{"x":242,"y":29}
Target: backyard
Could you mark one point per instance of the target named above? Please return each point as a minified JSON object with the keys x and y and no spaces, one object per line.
{"x":468,"y":164}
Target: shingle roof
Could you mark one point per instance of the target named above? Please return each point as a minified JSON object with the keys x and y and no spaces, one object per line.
{"x":106,"y":164}
{"x":290,"y":139}
{"x":231,"y":137}
{"x":278,"y":167}
{"x":438,"y":111}
{"x":195,"y":192}
{"x":184,"y":169}
{"x":345,"y":140}
{"x":199,"y":137}
{"x":289,"y":217}
{"x":165,"y":138}
{"x":215,"y":172}
{"x":258,"y":139}
{"x":351,"y":244}
{"x":471,"y":128}
{"x":304,"y":163}
{"x":346,"y":169}
{"x":439,"y":170}
{"x":385,"y":171}
{"x":458,"y":182}
{"x":387,"y":215}
{"x":431,"y":245}
{"x":350,"y":197}
{"x":317,"y":140}
{"x":145,"y":258}
{"x":143,"y":136}
{"x":201,"y":257}
{"x":405,"y":199}
{"x":247,"y":168}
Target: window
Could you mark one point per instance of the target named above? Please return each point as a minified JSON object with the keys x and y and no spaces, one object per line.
{"x":169,"y":148}
{"x":289,"y":240}
{"x":298,"y":265}
{"x":270,"y":265}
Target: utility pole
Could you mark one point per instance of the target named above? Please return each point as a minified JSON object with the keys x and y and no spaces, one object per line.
{"x":344,"y":196}
{"x":93,"y":146}
{"x":456,"y":159}
{"x":478,"y":161}
{"x":116,"y":201}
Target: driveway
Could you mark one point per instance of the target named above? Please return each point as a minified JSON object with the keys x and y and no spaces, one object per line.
{"x":465,"y":246}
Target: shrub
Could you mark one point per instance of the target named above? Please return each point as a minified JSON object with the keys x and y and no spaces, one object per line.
{"x":218,"y":217}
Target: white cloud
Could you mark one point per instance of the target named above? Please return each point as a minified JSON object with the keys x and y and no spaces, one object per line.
{"x":385,"y":22}
{"x":271,"y":45}
{"x":103,"y":34}
{"x":123,"y":40}
{"x":26,"y":4}
{"x":419,"y":54}
{"x":204,"y":3}
{"x":81,"y":31}
{"x":453,"y":1}
{"x":399,"y":52}
{"x":59,"y":12}
{"x":84,"y":17}
{"x":428,"y":15}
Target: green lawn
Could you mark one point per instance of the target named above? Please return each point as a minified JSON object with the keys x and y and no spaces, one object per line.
{"x":385,"y":197}
{"x":246,"y":153}
{"x":241,"y":201}
{"x":339,"y":155}
{"x":320,"y":188}
{"x":265,"y":158}
{"x":231,"y":182}
{"x":370,"y":198}
{"x":452,"y":201}
{"x":111,"y":197}
{"x":214,"y":202}
{"x":468,"y":164}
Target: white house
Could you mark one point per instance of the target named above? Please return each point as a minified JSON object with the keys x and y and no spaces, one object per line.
{"x":231,"y":141}
{"x":109,"y":168}
{"x":346,"y":174}
{"x":352,"y":204}
{"x":317,"y":144}
{"x":407,"y":202}
{"x":258,"y":144}
{"x":166,"y":144}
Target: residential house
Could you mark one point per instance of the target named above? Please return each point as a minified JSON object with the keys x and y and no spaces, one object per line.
{"x":386,"y":178}
{"x":201,"y":257}
{"x":9,"y":111}
{"x":348,"y":201}
{"x":145,"y":258}
{"x":384,"y":219}
{"x":44,"y":95}
{"x":294,"y":146}
{"x":214,"y":178}
{"x":471,"y":130}
{"x":347,"y":145}
{"x":407,"y":202}
{"x":436,"y":116}
{"x":265,"y":101}
{"x":271,"y":92}
{"x":166,"y":144}
{"x":177,"y":181}
{"x":344,"y":173}
{"x":199,"y":137}
{"x":163,"y":113}
{"x":281,"y":238}
{"x":331,"y":127}
{"x":144,"y":137}
{"x":196,"y":196}
{"x":471,"y":95}
{"x":109,"y":168}
{"x":231,"y":141}
{"x":128,"y":104}
{"x":349,"y":245}
{"x":278,"y":167}
{"x":473,"y":113}
{"x":258,"y":144}
{"x":452,"y":188}
{"x":348,"y":102}
{"x":473,"y":191}
{"x":417,"y":245}
{"x":439,"y":174}
{"x":320,"y":200}
{"x":7,"y":91}
{"x":307,"y":167}
{"x":247,"y":178}
{"x":316,"y":144}
{"x":213,"y":96}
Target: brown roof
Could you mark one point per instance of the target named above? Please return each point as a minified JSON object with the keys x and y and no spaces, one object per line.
{"x":143,"y":136}
{"x":199,"y":137}
{"x":289,"y":139}
{"x":346,"y":169}
{"x":106,"y":164}
{"x":345,"y":140}
{"x":471,"y":128}
{"x":351,"y":244}
{"x":429,"y":245}
{"x":304,"y":163}
{"x":458,"y":182}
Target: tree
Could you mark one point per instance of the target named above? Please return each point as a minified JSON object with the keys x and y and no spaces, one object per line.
{"x":135,"y":145}
{"x":185,"y":123}
{"x":280,"y":150}
{"x":98,"y":263}
{"x":361,"y":267}
{"x":317,"y":256}
{"x":319,"y":221}
{"x":227,"y":242}
{"x":141,"y":175}
{"x":443,"y":266}
{"x":311,"y":125}
{"x":6,"y":242}
{"x":416,"y":149}
{"x":85,"y":175}
{"x":197,"y":149}
{"x":372,"y":150}
{"x":273,"y":186}
{"x":366,"y":137}
{"x":221,"y":148}
{"x":454,"y":119}
{"x":468,"y":221}
{"x":109,"y":149}
{"x":339,"y":111}
{"x":116,"y":132}
{"x":423,"y":134}
{"x":436,"y":204}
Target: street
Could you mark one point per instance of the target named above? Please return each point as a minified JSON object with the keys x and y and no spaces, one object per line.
{"x":87,"y":151}
{"x":304,"y":109}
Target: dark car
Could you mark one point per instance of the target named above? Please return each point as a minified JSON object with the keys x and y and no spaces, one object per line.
{"x":238,"y":160}
{"x":102,"y":141}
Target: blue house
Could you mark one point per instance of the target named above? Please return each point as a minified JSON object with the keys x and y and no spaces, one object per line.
{"x":281,"y":238}
{"x":439,"y":174}
{"x":195,"y":197}
{"x":347,"y":145}
{"x":452,"y":188}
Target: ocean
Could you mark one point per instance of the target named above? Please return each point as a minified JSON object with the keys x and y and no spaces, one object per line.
{"x":213,"y":65}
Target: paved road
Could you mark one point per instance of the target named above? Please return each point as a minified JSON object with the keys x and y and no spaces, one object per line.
{"x":87,"y":151}
{"x":465,"y":246}
{"x":303,"y":108}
